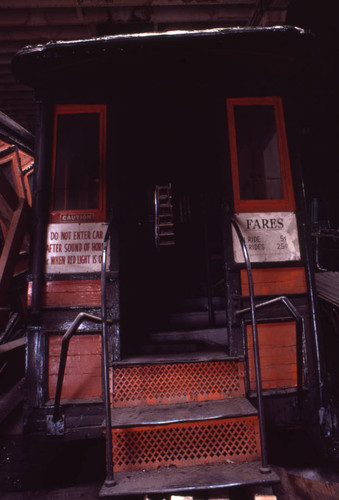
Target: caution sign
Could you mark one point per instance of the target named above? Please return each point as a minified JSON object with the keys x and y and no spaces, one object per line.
{"x":75,"y":248}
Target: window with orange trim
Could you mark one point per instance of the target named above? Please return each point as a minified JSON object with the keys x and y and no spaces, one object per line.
{"x":260,"y":164}
{"x":79,"y":162}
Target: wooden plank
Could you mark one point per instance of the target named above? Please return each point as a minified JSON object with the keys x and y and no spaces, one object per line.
{"x":12,"y":247}
{"x":4,"y":315}
{"x":297,"y":485}
{"x":10,"y":401}
{"x":7,"y":191}
{"x":83,"y":367}
{"x":275,"y":281}
{"x":48,"y":4}
{"x":10,"y":346}
{"x":68,"y":293}
{"x":278,"y":355}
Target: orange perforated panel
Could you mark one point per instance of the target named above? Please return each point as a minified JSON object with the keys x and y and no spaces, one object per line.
{"x":186,"y":444}
{"x":176,"y":383}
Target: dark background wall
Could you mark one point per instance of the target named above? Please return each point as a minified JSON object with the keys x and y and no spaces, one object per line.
{"x":321,"y":123}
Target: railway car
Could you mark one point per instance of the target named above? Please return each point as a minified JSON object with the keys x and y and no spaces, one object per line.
{"x":171,"y":291}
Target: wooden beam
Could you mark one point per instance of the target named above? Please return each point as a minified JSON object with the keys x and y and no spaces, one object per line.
{"x":24,"y":22}
{"x":15,"y":236}
{"x":16,"y":133}
{"x":11,"y":400}
{"x":52,"y":4}
{"x":7,"y":191}
{"x":5,"y":215}
{"x":11,"y":346}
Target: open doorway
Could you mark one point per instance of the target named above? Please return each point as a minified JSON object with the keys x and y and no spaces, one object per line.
{"x":172,"y":255}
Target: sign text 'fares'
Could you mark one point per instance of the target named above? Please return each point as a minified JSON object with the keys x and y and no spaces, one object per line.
{"x":269,"y":237}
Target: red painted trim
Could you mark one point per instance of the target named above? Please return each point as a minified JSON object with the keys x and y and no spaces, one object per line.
{"x":60,"y":109}
{"x":68,"y":293}
{"x":285,"y":204}
{"x":275,"y":281}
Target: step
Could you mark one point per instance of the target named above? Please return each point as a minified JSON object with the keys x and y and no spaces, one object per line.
{"x":163,"y":234}
{"x":173,"y":348}
{"x":165,"y":224}
{"x":195,"y":319}
{"x":192,"y":411}
{"x":200,"y":304}
{"x":198,"y":357}
{"x":189,"y":479}
{"x":166,"y":243}
{"x":213,"y":337}
{"x":185,"y":435}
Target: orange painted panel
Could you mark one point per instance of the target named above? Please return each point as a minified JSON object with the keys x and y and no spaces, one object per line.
{"x":275,"y":281}
{"x":278,"y":355}
{"x":83,"y":367}
{"x":68,"y":293}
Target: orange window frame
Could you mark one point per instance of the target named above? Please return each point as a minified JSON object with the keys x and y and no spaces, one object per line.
{"x":287,"y":202}
{"x":98,"y":214}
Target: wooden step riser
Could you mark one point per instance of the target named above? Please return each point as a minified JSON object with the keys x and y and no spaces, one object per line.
{"x":186,"y":444}
{"x":171,"y":383}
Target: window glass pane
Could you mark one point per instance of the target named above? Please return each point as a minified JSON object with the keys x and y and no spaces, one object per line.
{"x":77,"y":163}
{"x":258,"y":153}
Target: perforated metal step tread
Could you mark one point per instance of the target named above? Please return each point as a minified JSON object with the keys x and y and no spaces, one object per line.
{"x":182,"y":412}
{"x":173,"y":479}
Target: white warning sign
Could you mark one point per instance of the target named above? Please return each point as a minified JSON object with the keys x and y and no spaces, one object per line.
{"x":75,"y":248}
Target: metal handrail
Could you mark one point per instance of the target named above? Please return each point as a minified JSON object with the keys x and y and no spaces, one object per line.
{"x":56,"y":424}
{"x":63,"y":358}
{"x":264,"y":461}
{"x":109,"y":452}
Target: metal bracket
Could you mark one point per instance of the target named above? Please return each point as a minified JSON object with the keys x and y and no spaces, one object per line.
{"x":55,"y":428}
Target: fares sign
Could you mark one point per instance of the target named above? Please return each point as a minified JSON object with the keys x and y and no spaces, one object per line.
{"x":269,"y":237}
{"x":75,"y":247}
